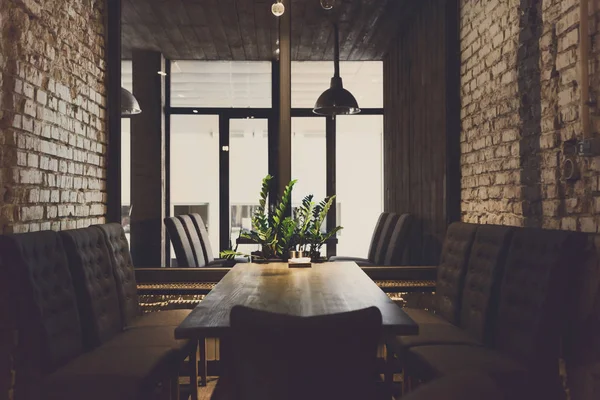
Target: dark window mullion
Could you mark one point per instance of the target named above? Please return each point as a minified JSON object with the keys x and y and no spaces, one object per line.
{"x":224,"y":182}
{"x":167,"y":158}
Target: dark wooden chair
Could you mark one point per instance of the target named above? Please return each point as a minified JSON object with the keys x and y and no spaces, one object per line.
{"x":194,"y":239}
{"x":388,"y":243}
{"x":283,"y":357}
{"x":383,"y":224}
{"x":198,"y":236}
{"x":203,"y":234}
{"x":181,"y":244}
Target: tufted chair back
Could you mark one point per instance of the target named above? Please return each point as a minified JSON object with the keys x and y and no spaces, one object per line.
{"x":532,"y":309}
{"x":384,"y":240}
{"x":383,"y":217}
{"x":48,"y":318}
{"x":194,"y":237}
{"x":482,"y":282}
{"x":201,"y":229}
{"x":181,"y":243}
{"x":95,"y":286}
{"x":123,"y":270}
{"x":398,"y":240}
{"x":452,"y":269}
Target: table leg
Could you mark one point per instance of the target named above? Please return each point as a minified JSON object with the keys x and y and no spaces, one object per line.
{"x":203,"y":362}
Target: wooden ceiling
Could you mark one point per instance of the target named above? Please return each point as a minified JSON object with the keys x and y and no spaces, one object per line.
{"x":246,"y":29}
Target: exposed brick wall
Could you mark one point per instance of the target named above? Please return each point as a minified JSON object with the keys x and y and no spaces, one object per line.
{"x":53,"y":117}
{"x":520,"y":107}
{"x":520,"y":117}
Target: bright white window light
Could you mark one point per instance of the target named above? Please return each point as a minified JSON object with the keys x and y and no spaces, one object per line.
{"x":278,"y":9}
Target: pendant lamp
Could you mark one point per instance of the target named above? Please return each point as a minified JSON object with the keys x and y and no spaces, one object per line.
{"x":129,"y":104}
{"x":336,"y":100}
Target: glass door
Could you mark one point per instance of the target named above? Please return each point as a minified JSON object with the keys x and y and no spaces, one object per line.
{"x":248,"y":165}
{"x":194,"y":171}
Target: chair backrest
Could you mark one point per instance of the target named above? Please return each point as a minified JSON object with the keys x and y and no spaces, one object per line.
{"x":452,"y":269}
{"x":482,"y":282}
{"x":194,"y":238}
{"x":384,"y":239}
{"x":203,"y":233}
{"x":94,"y":281}
{"x":286,"y":357}
{"x":398,"y":240}
{"x":123,"y":270}
{"x":181,"y":243}
{"x":532,"y":308}
{"x":377,"y":232}
{"x":48,"y":317}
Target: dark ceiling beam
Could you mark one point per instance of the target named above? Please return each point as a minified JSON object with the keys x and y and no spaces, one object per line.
{"x":246,"y":29}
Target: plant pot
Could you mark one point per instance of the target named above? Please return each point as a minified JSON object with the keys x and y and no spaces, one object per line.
{"x":318,"y":260}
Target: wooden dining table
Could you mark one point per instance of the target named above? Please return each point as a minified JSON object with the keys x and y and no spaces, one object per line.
{"x":324,"y":288}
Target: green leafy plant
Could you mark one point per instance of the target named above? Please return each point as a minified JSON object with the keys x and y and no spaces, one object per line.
{"x":273,"y":229}
{"x":313,"y":235}
{"x":278,"y":232}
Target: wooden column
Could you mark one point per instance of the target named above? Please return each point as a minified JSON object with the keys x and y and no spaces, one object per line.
{"x":284,"y":165}
{"x":113,"y":163}
{"x":453,"y":124}
{"x":331,"y":179}
{"x":148,"y":161}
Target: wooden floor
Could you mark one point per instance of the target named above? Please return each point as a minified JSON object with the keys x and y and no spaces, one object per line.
{"x":205,"y":392}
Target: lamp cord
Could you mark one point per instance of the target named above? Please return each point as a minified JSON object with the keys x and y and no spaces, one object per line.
{"x":336,"y":60}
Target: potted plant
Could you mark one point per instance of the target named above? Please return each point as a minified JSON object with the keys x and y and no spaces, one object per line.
{"x":274,"y":230}
{"x":310,"y":218}
{"x":278,"y":232}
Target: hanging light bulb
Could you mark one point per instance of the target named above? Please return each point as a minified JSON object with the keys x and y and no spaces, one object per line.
{"x":327,"y":4}
{"x":278,"y":8}
{"x":336,"y":100}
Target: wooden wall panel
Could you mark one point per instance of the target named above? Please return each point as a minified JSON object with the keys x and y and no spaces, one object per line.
{"x":416,"y":128}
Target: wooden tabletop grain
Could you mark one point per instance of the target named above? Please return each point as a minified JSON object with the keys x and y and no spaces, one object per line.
{"x":326,"y":288}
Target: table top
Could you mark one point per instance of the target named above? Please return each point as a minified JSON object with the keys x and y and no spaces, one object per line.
{"x":325,"y":288}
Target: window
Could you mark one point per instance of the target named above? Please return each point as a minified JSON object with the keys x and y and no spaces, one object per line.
{"x":359,"y":180}
{"x":364,"y":79}
{"x":221,"y":84}
{"x":126,"y":82}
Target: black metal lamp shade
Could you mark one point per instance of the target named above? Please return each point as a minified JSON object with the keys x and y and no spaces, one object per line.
{"x":336,"y":100}
{"x":129,"y":104}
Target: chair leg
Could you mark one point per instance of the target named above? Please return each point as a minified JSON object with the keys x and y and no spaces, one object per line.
{"x":389,"y":371}
{"x":174,"y":387}
{"x":194,"y":373}
{"x":203,"y":372}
